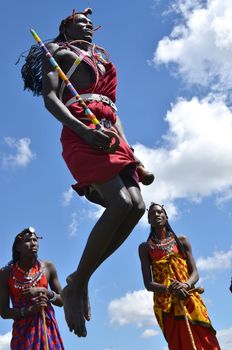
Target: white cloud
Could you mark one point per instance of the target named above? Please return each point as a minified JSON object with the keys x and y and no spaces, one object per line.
{"x":133,"y":308}
{"x":67,"y":196}
{"x":225,"y":338}
{"x":200,"y":44}
{"x":22,"y":156}
{"x":220,"y":260}
{"x":5,"y":341}
{"x":73,"y":225}
{"x":194,"y":160}
{"x":149,"y":333}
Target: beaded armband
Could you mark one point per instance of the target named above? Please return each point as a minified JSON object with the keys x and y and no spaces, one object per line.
{"x":53,"y":298}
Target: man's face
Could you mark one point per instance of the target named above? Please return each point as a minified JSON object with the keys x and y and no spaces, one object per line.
{"x":157,"y":217}
{"x":28,"y":246}
{"x":81,"y":28}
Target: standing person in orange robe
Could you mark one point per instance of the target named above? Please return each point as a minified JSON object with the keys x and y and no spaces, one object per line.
{"x":170,"y":272}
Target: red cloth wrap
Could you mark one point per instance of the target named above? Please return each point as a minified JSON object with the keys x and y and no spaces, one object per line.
{"x":87,"y":165}
{"x":28,"y":331}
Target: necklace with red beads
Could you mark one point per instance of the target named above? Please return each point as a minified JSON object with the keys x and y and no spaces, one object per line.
{"x":166,"y":244}
{"x":29,"y":279}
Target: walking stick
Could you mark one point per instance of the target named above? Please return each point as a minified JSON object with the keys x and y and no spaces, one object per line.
{"x":44,"y":328}
{"x":200,"y":290}
{"x":89,"y":114}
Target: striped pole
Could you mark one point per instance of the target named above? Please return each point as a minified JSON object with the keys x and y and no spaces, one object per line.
{"x":74,"y":93}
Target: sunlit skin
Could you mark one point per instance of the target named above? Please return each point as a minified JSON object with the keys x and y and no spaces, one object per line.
{"x":122,"y":198}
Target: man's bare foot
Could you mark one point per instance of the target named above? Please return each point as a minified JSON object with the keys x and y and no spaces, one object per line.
{"x":86,"y":302}
{"x":73,"y":310}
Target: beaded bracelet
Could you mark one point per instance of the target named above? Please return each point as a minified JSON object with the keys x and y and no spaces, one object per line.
{"x":189,"y":285}
{"x":54,"y":297}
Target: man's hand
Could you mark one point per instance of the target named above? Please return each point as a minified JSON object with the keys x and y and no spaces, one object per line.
{"x":34,"y":292}
{"x":39,"y":302}
{"x":179,"y":289}
{"x":97,"y":139}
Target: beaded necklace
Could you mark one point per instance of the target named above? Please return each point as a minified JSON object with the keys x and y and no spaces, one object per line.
{"x":29,"y":279}
{"x":167,"y":244}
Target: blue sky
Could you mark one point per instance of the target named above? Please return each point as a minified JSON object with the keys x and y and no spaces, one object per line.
{"x":174,"y":98}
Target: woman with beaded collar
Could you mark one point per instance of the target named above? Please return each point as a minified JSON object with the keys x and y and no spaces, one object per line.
{"x":169,"y":271}
{"x":25,"y":282}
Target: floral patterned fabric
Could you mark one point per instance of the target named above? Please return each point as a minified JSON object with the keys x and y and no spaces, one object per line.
{"x":174,"y":266}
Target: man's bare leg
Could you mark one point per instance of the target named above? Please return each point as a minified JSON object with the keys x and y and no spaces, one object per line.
{"x":119,"y":206}
{"x":119,"y":237}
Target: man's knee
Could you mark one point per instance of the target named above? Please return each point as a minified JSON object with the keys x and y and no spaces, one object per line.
{"x":123,"y":203}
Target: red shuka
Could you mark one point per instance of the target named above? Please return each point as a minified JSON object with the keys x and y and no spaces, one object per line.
{"x":87,"y":165}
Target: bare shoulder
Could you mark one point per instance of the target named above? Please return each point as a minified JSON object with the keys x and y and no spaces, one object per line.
{"x":52,"y":47}
{"x":185,"y":241}
{"x":5,"y":272}
{"x":143,"y":248}
{"x":49,"y":265}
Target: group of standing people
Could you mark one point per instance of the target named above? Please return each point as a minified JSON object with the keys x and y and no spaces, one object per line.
{"x":111,"y":180}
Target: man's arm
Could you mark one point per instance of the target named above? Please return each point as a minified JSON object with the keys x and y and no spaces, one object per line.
{"x":149,"y":284}
{"x":193,"y":272}
{"x":50,"y":81}
{"x":5,"y":311}
{"x":180,"y":289}
{"x":54,"y":284}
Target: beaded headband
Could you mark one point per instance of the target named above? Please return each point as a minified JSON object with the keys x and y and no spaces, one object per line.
{"x":29,"y":230}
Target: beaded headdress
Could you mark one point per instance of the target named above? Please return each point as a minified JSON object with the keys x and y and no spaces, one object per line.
{"x":29,"y":230}
{"x":86,"y":12}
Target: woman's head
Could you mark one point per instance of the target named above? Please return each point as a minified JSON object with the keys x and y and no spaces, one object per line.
{"x":25,"y":243}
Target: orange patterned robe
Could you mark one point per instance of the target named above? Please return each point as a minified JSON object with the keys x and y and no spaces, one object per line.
{"x":168,"y":310}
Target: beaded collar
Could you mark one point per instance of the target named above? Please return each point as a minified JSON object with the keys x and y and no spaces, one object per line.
{"x":167,"y":244}
{"x":29,"y":279}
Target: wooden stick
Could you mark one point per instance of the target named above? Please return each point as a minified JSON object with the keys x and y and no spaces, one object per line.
{"x":44,"y":327}
{"x":200,"y":290}
{"x":188,"y":326}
